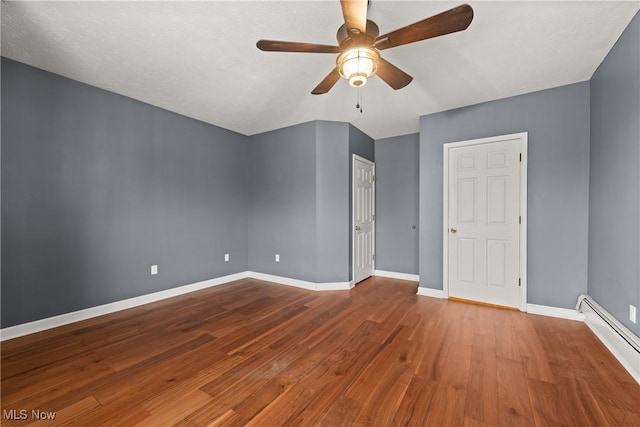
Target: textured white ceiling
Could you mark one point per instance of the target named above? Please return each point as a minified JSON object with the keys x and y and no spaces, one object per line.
{"x":199,"y":58}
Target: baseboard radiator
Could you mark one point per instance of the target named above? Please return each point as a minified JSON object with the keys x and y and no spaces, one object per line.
{"x":621,"y":342}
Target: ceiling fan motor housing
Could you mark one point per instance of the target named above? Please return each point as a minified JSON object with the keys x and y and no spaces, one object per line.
{"x":348,"y":39}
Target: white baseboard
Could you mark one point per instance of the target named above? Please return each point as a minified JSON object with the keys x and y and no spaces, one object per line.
{"x":312,"y":286}
{"x":335,"y":286}
{"x":88,"y":313}
{"x":562,"y":313}
{"x":282,"y":280}
{"x":429,"y":292}
{"x":394,"y":275}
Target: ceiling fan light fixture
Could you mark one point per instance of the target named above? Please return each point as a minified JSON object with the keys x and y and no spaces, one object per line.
{"x":358,"y":64}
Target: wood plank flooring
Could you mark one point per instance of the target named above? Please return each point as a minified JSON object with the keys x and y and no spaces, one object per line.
{"x":261,"y":354}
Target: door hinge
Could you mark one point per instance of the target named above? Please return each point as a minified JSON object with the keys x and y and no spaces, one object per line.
{"x":373,"y":178}
{"x":373,"y":217}
{"x":520,"y":219}
{"x":373,"y":257}
{"x":520,"y":156}
{"x":519,"y":282}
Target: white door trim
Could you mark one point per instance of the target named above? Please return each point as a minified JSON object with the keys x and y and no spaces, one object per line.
{"x":353,"y":214}
{"x":523,"y":141}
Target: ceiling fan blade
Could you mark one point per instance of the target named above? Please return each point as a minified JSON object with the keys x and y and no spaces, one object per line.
{"x":451,"y":21}
{"x":355,"y":14}
{"x":392,"y":75}
{"x":328,"y":82}
{"x":281,"y":46}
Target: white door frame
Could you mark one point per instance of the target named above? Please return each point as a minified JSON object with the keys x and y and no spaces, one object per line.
{"x":353,"y":215}
{"x":522,"y":139}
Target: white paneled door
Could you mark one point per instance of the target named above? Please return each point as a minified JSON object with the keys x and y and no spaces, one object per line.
{"x":363,"y":218}
{"x":484,"y":220}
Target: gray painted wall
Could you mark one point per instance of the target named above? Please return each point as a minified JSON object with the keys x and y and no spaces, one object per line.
{"x":362,"y":145}
{"x":332,"y":202}
{"x":282,"y":202}
{"x":397,"y":176}
{"x":0,"y":187}
{"x":299,"y":202}
{"x":100,"y":186}
{"x":557,"y":121}
{"x":96,"y":187}
{"x":614,"y":198}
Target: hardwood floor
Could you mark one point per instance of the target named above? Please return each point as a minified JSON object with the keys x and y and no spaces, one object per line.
{"x":261,"y":354}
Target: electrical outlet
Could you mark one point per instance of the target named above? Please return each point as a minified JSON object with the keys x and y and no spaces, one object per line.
{"x":277,"y":257}
{"x":632,"y":313}
{"x":154,"y":270}
{"x":226,"y":257}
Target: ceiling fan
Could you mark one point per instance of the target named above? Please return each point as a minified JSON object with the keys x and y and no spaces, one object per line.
{"x":360,"y":44}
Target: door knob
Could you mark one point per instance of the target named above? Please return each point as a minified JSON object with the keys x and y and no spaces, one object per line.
{"x":357,"y":228}
{"x":454,"y":230}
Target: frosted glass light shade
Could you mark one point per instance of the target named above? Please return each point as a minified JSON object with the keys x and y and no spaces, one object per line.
{"x":357,"y":65}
